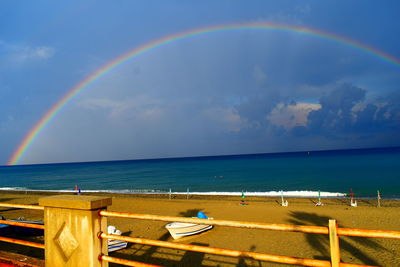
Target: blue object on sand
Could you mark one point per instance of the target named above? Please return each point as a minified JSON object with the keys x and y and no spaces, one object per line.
{"x":201,"y":215}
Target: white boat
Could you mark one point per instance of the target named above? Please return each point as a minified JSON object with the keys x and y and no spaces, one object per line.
{"x":179,"y":229}
{"x":114,"y":245}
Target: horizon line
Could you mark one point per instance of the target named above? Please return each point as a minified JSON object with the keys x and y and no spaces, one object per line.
{"x":208,"y":156}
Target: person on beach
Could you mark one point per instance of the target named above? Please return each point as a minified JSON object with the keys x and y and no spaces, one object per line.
{"x":77,"y":190}
{"x":242,"y":202}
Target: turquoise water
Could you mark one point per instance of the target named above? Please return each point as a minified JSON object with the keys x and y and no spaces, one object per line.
{"x":364,"y":171}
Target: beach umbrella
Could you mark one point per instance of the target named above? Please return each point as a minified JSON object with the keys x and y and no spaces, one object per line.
{"x":379,"y":198}
{"x":319,"y":199}
{"x":351,"y":194}
{"x":353,"y":202}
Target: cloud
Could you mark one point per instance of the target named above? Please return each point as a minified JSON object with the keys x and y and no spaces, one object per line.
{"x":224,"y":118}
{"x":335,"y":115}
{"x":290,"y":116}
{"x":254,"y":110}
{"x":42,"y":52}
{"x":141,"y":107}
{"x":379,"y":117}
{"x":23,"y":54}
{"x":346,"y":113}
{"x":304,"y":8}
{"x":19,"y":54}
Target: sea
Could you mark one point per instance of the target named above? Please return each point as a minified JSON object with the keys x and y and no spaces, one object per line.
{"x":303,"y":174}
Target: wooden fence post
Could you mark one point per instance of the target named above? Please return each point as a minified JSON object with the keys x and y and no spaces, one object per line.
{"x":334,"y":243}
{"x":72,"y":224}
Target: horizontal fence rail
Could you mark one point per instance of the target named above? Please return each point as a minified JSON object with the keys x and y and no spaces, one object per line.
{"x":22,"y":224}
{"x":21,"y":206}
{"x":221,"y":251}
{"x":369,"y":233}
{"x":252,"y":225}
{"x":21,"y":242}
{"x":335,"y":254}
{"x":265,"y":226}
{"x":228,"y":252}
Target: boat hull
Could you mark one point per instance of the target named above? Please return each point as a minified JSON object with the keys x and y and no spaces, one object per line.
{"x":179,"y":230}
{"x":114,"y":245}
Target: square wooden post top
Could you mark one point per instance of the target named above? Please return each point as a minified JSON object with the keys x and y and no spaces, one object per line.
{"x":76,"y":202}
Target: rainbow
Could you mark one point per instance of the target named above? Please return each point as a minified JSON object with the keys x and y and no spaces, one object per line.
{"x":72,"y":93}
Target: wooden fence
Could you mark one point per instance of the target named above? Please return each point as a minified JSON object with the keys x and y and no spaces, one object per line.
{"x":66,"y":242}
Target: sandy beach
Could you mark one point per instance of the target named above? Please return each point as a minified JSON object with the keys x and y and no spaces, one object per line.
{"x":301,"y":211}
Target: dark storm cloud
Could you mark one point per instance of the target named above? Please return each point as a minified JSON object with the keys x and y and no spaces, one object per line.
{"x":344,"y":113}
{"x":255,"y":109}
{"x":336,"y":110}
{"x":380,"y":118}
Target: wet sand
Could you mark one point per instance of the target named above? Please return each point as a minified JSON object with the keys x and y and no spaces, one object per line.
{"x":301,"y":211}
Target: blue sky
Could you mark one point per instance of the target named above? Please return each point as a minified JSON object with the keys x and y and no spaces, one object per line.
{"x":235,"y":92}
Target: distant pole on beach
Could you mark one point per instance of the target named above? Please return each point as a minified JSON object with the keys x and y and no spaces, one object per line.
{"x":187,"y":195}
{"x":353,"y":202}
{"x":284,"y":202}
{"x":170,"y":192}
{"x":379,"y":199}
{"x":242,"y":202}
{"x":319,"y":199}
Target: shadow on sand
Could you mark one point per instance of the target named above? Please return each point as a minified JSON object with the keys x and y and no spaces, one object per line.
{"x":189,"y":213}
{"x":321,"y":242}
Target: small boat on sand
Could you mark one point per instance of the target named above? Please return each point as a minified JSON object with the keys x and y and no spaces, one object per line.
{"x":8,"y":230}
{"x":114,"y":245}
{"x":12,"y":230}
{"x":179,"y":229}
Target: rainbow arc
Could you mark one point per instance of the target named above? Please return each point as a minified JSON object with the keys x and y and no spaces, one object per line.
{"x":110,"y":66}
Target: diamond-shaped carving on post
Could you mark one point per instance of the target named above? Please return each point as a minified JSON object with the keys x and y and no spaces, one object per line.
{"x":66,"y":242}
